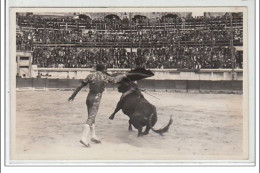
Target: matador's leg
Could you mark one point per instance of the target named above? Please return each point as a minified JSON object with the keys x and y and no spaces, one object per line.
{"x":84,"y":137}
{"x":94,"y":137}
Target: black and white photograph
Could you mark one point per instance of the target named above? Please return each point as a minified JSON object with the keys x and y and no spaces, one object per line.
{"x":129,"y":84}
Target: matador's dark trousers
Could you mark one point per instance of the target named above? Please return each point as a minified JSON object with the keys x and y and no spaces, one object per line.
{"x":93,"y":101}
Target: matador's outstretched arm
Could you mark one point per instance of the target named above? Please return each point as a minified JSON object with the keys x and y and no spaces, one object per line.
{"x":77,"y":90}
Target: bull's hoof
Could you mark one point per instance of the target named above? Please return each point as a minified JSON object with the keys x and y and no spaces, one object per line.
{"x":145,"y":133}
{"x":111,"y":117}
{"x":139,"y":135}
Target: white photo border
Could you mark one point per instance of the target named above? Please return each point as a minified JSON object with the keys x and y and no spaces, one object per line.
{"x":116,"y":4}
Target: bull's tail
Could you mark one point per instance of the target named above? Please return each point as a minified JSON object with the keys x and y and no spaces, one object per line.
{"x":161,"y":130}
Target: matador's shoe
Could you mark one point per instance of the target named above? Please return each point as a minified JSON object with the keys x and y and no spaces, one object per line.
{"x":86,"y":145}
{"x":95,"y":140}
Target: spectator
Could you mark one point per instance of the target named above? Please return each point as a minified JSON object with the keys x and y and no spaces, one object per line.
{"x":189,"y":46}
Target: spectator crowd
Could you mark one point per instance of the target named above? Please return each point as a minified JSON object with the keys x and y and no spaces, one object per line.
{"x":160,"y":58}
{"x":211,"y":36}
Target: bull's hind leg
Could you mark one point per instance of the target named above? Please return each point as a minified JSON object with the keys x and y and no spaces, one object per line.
{"x":146,"y":132}
{"x":130,"y":126}
{"x":140,"y":128}
{"x":136,"y":121}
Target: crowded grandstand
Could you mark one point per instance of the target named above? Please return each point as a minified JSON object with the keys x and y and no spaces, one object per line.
{"x":129,"y":40}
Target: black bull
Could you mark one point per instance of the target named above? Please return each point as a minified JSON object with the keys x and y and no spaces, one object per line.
{"x":138,"y":109}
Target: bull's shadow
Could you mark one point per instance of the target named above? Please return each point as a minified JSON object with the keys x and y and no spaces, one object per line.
{"x":120,"y":135}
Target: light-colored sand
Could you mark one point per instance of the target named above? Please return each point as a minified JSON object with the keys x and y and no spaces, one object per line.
{"x":205,"y":126}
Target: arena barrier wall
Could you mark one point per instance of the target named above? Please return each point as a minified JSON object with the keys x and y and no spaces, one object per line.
{"x":191,"y":86}
{"x":170,"y":80}
{"x":159,"y":74}
{"x":24,"y":83}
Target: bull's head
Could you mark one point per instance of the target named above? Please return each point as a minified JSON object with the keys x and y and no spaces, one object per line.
{"x":124,"y":85}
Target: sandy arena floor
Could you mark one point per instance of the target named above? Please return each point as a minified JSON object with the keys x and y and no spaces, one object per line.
{"x":205,"y":126}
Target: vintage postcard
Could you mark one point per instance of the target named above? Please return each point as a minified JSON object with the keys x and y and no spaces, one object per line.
{"x":136,"y":85}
